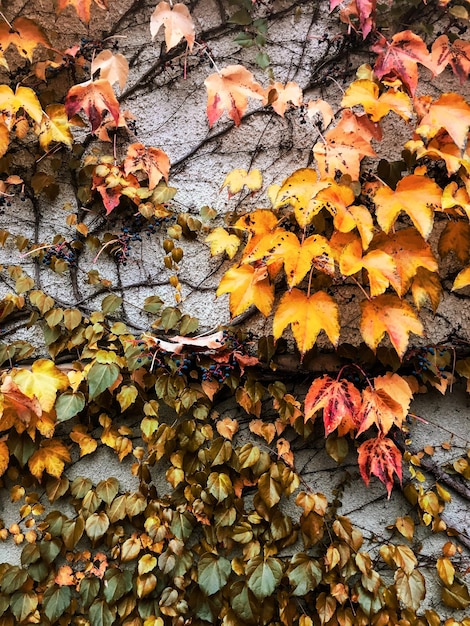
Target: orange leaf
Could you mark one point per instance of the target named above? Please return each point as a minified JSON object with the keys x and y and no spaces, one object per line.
{"x":153,"y":161}
{"x":320,"y":109}
{"x":400,"y":58}
{"x":17,"y":408}
{"x":4,"y":138}
{"x":4,"y":457}
{"x":279,"y":96}
{"x":462,"y":280}
{"x":26,"y":35}
{"x":455,"y":54}
{"x":397,"y":388}
{"x":388,"y":314}
{"x":266,"y":430}
{"x":258,"y":224}
{"x":51,"y":457}
{"x":450,"y":112}
{"x":247,"y":286}
{"x":112,"y":67}
{"x":379,"y":409}
{"x":228,"y":90}
{"x":409,"y":252}
{"x":227,"y":427}
{"x":307,"y":315}
{"x":95,"y":98}
{"x":455,"y":238}
{"x":340,"y":401}
{"x":380,"y":457}
{"x":177,"y":21}
{"x":366,"y":93}
{"x":426,"y":286}
{"x":418,"y":196}
{"x":82,"y":7}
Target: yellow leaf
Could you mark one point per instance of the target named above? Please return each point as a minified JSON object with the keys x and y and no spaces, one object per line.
{"x":307,"y":315}
{"x":247,"y":286}
{"x":51,"y":457}
{"x":222,"y":241}
{"x":43,"y":381}
{"x":300,"y":190}
{"x":23,"y":98}
{"x":462,"y":280}
{"x":4,"y":138}
{"x":4,"y":457}
{"x":54,"y":126}
{"x":239,"y":178}
{"x":388,"y":314}
{"x":85,"y":441}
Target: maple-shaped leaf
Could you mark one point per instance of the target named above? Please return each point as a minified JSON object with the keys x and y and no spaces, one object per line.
{"x":380,"y":266}
{"x":95,"y":98}
{"x":43,"y":382}
{"x":279,"y":96}
{"x":82,"y":7}
{"x":441,"y":147}
{"x":388,"y":314}
{"x":409,"y":252}
{"x":346,"y":145}
{"x":307,"y":316}
{"x":153,"y":161}
{"x":456,"y":198}
{"x":50,"y":457}
{"x":25,"y":34}
{"x":300,"y":190}
{"x":229,"y":90}
{"x":247,"y":286}
{"x":17,"y":408}
{"x":426,"y":286}
{"x":222,"y":241}
{"x":366,"y":93}
{"x":380,"y":457}
{"x":112,"y":67}
{"x":54,"y":126}
{"x":340,"y":401}
{"x":337,"y":200}
{"x":298,"y":257}
{"x":23,"y":98}
{"x":450,"y":112}
{"x":320,"y":111}
{"x":177,"y":21}
{"x":379,"y":409}
{"x":400,"y":57}
{"x":456,"y":54}
{"x":239,"y":178}
{"x":258,"y":224}
{"x":417,"y":196}
{"x":397,"y":388}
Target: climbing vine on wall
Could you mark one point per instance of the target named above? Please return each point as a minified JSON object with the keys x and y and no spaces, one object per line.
{"x":345,"y":241}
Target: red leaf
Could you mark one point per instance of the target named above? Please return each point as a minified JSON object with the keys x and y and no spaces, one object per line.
{"x":380,"y":457}
{"x":94,"y":98}
{"x":340,"y":401}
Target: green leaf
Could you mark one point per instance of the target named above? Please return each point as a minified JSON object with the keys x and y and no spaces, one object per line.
{"x":241,"y":17}
{"x":244,"y":603}
{"x":111,"y":303}
{"x":80,"y":487}
{"x":100,"y":614}
{"x":263,"y":60}
{"x":108,"y":489}
{"x":56,"y":601}
{"x":23,"y":603}
{"x":50,"y":550}
{"x":213,"y":573}
{"x":245,"y":40}
{"x":14,"y":578}
{"x":69,"y":404}
{"x":117,"y":584}
{"x":89,"y":590}
{"x":264,"y":575}
{"x":170,"y":317}
{"x":100,"y":377}
{"x":304,"y":574}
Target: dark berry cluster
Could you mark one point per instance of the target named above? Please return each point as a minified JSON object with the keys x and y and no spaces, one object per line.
{"x":63,"y":250}
{"x":429,"y":360}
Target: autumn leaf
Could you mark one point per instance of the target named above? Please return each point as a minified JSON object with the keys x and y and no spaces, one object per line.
{"x":462,"y":279}
{"x":426,"y":286}
{"x":25,"y":35}
{"x":258,"y":224}
{"x":400,"y":58}
{"x":379,"y":409}
{"x":4,"y":138}
{"x":239,"y":178}
{"x":94,"y":98}
{"x":366,"y":93}
{"x":222,"y":241}
{"x":84,"y":440}
{"x":54,"y":126}
{"x":320,"y":110}
{"x":455,"y":238}
{"x":418,"y":196}
{"x":153,"y":161}
{"x":388,"y":314}
{"x":247,"y":286}
{"x":23,"y":98}
{"x":112,"y":67}
{"x":300,"y":190}
{"x":450,"y":112}
{"x":380,"y":457}
{"x":340,"y":401}
{"x":409,"y":252}
{"x":229,"y":90}
{"x":177,"y":22}
{"x":17,"y":408}
{"x":307,"y":316}
{"x":4,"y":457}
{"x":50,"y":457}
{"x":82,"y":7}
{"x":279,"y":96}
{"x":43,"y":382}
{"x":456,"y":54}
